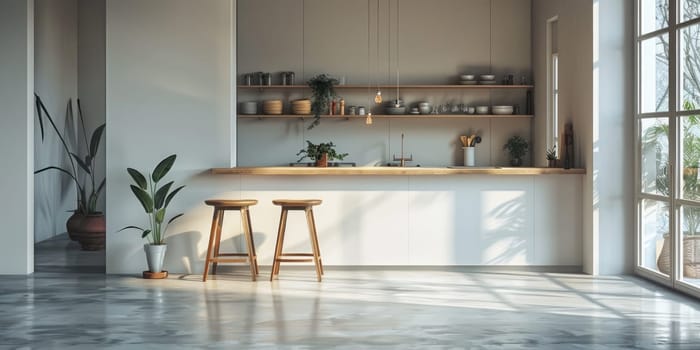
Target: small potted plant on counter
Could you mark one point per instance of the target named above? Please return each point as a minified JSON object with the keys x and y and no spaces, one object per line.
{"x":321,"y":153}
{"x":552,"y":157}
{"x":155,"y":200}
{"x":322,"y":92}
{"x":516,"y":148}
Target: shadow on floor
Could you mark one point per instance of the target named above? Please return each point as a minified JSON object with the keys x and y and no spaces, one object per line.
{"x":60,"y":254}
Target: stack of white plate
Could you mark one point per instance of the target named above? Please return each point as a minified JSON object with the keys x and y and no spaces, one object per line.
{"x":302,"y":106}
{"x":249,"y":107}
{"x":487,"y":79}
{"x":502,"y":109}
{"x":272,"y":106}
{"x":467,"y":79}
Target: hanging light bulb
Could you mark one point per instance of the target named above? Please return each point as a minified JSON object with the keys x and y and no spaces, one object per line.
{"x":378,"y":97}
{"x":368,"y":121}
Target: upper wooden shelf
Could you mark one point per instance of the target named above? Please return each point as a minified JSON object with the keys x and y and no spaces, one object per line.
{"x":453,"y":86}
{"x":408,"y":116}
{"x":383,"y":170}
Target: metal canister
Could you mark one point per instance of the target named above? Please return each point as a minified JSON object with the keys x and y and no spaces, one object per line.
{"x":283,"y":78}
{"x":247,"y":79}
{"x":290,"y":78}
{"x":258,"y":78}
{"x":266,"y":79}
{"x":351,"y":110}
{"x":361,"y":110}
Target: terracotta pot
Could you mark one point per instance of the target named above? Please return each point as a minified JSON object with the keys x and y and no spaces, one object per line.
{"x":323,"y":161}
{"x":88,"y":230}
{"x":73,"y":225}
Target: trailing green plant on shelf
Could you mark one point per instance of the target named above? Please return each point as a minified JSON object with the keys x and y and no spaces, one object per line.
{"x":154,"y":199}
{"x":319,"y":152}
{"x":81,"y":161}
{"x":322,"y":92}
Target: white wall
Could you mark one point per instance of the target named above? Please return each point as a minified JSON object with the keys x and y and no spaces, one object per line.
{"x":55,"y":81}
{"x":437,"y":40}
{"x":595,"y":95}
{"x":613,"y":137}
{"x":16,"y":136}
{"x":168,"y":91}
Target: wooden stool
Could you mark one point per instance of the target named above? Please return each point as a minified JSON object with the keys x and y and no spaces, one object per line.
{"x":213,"y":255}
{"x":305,"y":205}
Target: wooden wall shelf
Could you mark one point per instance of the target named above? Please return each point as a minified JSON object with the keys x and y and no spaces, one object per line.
{"x":394,"y":116}
{"x":355,"y":87}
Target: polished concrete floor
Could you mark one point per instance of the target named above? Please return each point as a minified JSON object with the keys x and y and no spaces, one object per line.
{"x":350,"y":309}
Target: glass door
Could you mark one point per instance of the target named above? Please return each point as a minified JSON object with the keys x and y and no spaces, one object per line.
{"x":668,"y":142}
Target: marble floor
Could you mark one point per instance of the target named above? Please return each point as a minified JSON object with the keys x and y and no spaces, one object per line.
{"x":69,"y":303}
{"x":350,"y":309}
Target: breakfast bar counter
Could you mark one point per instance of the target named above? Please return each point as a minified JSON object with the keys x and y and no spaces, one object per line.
{"x":394,"y":170}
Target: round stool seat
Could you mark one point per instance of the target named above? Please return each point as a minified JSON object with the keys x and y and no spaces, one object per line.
{"x":231,"y":203}
{"x":297,"y":202}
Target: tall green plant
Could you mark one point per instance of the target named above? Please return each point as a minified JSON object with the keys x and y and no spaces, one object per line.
{"x":154,"y":199}
{"x":80,"y":160}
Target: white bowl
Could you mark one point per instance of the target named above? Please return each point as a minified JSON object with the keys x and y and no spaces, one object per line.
{"x":482,"y":109}
{"x":466,"y":77}
{"x":487,"y":77}
{"x":502,"y":109}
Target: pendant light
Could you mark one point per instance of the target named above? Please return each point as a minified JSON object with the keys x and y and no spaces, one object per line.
{"x":368,"y":120}
{"x":378,"y":96}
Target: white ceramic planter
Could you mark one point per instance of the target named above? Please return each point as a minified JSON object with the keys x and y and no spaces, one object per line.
{"x":155,"y":254}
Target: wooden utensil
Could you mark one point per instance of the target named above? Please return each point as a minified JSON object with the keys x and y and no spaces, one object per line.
{"x":465,"y":140}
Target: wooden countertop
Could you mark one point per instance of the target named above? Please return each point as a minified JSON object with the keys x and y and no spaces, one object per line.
{"x":412,"y":171}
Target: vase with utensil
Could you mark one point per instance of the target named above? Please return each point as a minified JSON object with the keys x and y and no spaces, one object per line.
{"x":469,"y":148}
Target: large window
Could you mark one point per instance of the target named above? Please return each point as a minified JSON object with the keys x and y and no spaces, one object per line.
{"x":668,"y":139}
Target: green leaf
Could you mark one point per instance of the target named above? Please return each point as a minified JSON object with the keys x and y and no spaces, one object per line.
{"x":145,"y":233}
{"x":56,"y":168}
{"x":163,"y":167}
{"x":144,"y":198}
{"x":95,"y":140}
{"x":101,"y":186}
{"x":138,"y":177}
{"x":131,"y":227}
{"x":80,"y":162}
{"x":175,"y":218}
{"x":39,"y":105}
{"x":160,"y":215}
{"x":171,"y":195}
{"x":161,"y":193}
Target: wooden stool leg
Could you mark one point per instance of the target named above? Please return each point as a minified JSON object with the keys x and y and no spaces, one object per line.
{"x":250,"y":231}
{"x":314,"y":242}
{"x":318,"y":246}
{"x":212,"y":234}
{"x":217,"y":242}
{"x":249,"y":242}
{"x":280,"y":242}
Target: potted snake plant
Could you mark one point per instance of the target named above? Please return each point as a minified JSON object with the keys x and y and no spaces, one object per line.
{"x":154,"y":199}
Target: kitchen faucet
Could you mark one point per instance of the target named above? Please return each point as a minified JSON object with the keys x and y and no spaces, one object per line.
{"x":402,"y":161}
